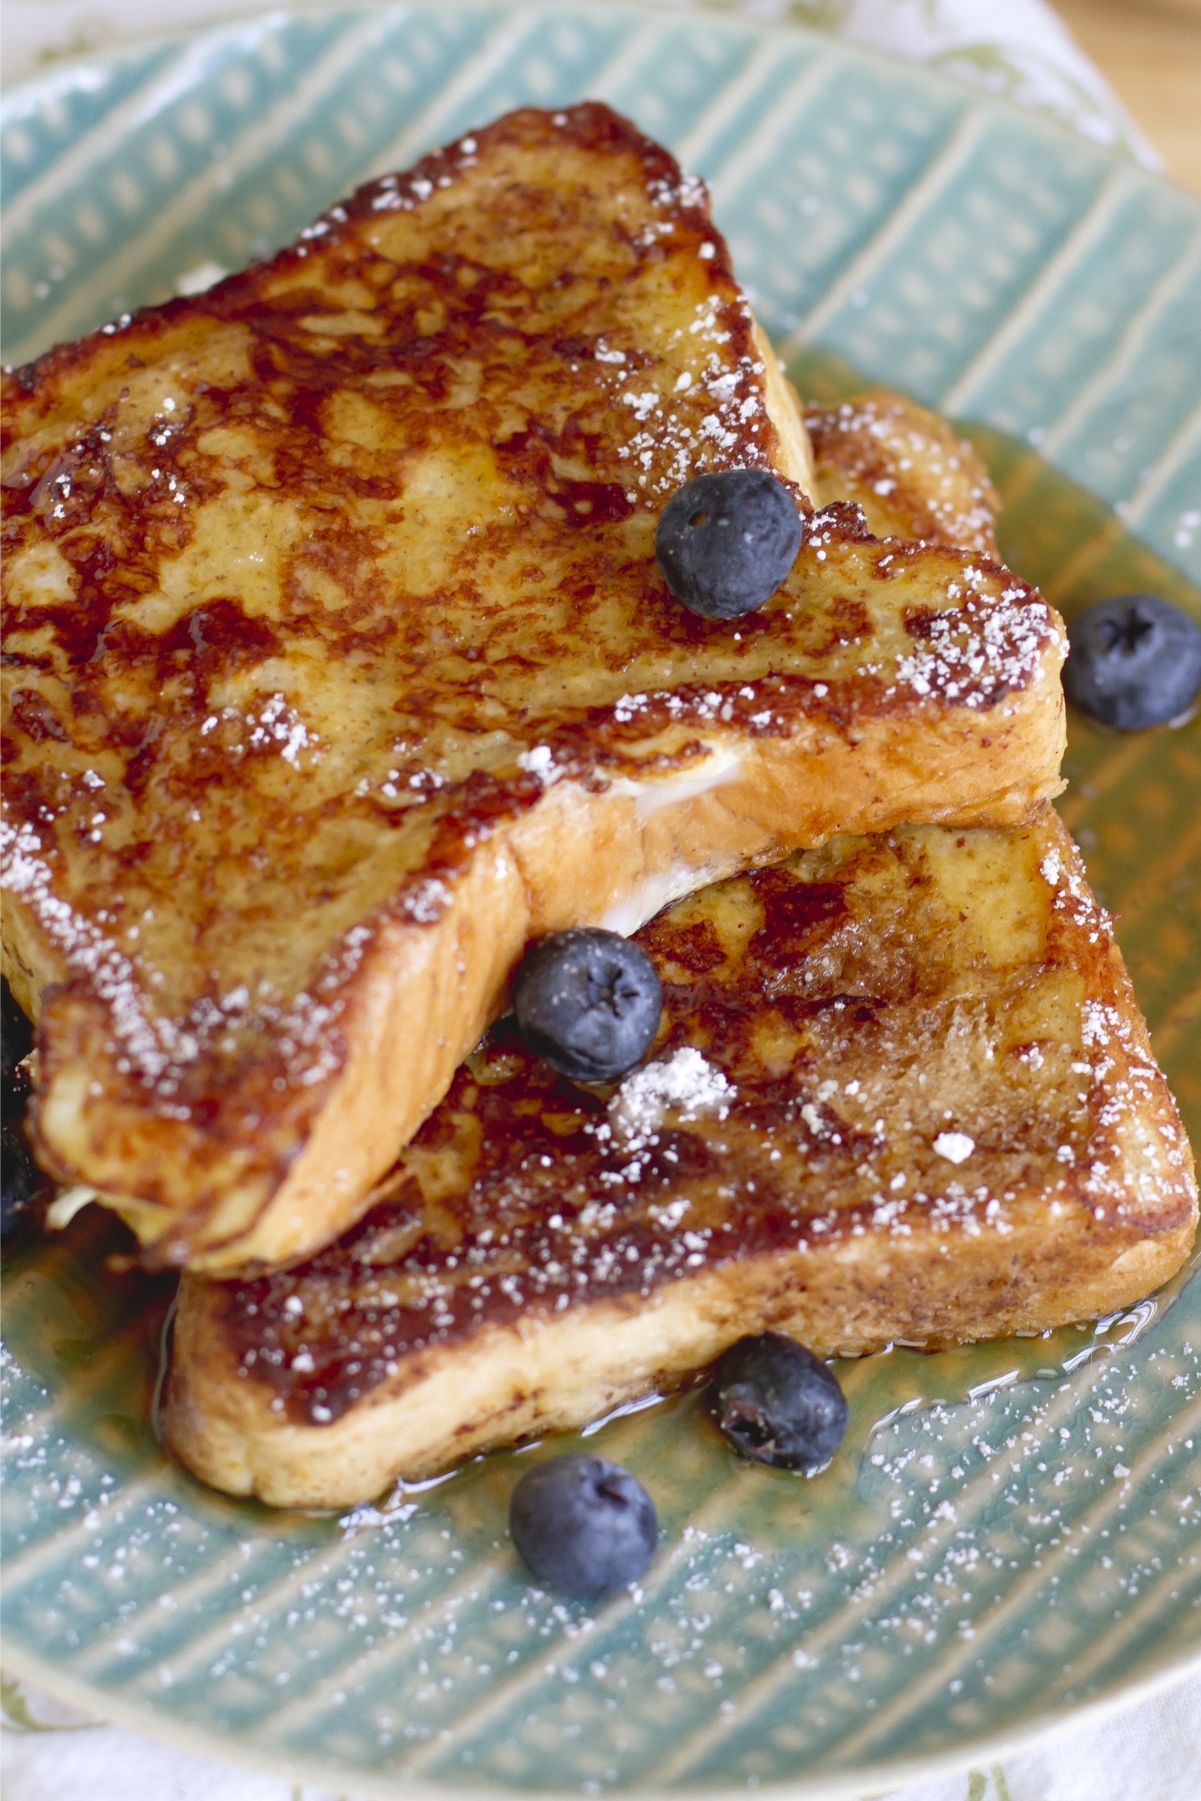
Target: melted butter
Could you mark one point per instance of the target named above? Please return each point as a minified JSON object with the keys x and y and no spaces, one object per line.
{"x":650,"y":897}
{"x":718,"y":768}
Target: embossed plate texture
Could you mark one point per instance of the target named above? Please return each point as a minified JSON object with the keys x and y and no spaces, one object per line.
{"x":1021,"y":1538}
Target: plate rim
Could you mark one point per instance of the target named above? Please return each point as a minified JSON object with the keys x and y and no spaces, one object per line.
{"x":857,"y":1783}
{"x":1178,"y":1667}
{"x":715,"y":13}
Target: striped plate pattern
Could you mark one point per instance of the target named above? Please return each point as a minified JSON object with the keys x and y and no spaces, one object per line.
{"x":1019,"y":1532}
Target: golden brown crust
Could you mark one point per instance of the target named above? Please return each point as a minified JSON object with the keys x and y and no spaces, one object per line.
{"x":906,"y":467}
{"x":334,"y":631}
{"x":913,"y":1099}
{"x":522,"y":1383}
{"x":579,"y":843}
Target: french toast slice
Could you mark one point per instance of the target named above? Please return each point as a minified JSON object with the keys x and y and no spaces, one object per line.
{"x":902,"y":1092}
{"x":338,"y":666}
{"x":907,"y":468}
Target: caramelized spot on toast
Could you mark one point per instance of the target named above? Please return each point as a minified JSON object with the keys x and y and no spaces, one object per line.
{"x":855,"y":1006}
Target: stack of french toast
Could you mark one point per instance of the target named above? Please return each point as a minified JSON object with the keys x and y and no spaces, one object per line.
{"x":340,"y":668}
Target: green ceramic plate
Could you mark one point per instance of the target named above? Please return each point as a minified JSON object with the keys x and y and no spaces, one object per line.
{"x":1012,"y":1531}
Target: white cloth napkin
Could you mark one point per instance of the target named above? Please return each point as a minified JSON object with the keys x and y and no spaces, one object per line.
{"x":1151,"y":1752}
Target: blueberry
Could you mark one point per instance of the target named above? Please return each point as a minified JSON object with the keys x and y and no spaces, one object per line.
{"x":588,"y":1001}
{"x":583,"y":1525}
{"x":778,"y":1404}
{"x":1134,"y":661}
{"x":16,"y":1033}
{"x":20,"y":1180}
{"x":725,"y":542}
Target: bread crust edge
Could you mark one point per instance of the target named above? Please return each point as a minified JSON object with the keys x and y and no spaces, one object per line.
{"x":540,"y":1375}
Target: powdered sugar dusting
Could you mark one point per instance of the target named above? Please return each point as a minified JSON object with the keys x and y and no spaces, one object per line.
{"x":1072,"y":896}
{"x":702,"y":409}
{"x":974,"y":654}
{"x":685,"y":1084}
{"x":901,"y":454}
{"x":159,"y":1049}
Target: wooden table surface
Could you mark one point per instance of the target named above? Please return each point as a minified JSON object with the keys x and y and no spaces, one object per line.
{"x":1150,"y":53}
